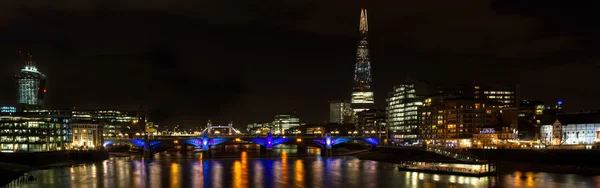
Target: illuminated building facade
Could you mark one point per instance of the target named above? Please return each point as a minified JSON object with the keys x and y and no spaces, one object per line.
{"x":340,"y":112}
{"x":31,"y":86}
{"x":35,"y":131}
{"x":572,"y":129}
{"x":402,"y":112}
{"x":371,"y":122}
{"x":283,"y":122}
{"x":505,"y":94}
{"x":362,"y":94}
{"x":453,"y":121}
{"x":87,"y":135}
{"x":259,"y":128}
{"x":114,"y":123}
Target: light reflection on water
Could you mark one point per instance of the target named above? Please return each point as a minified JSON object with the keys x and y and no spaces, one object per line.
{"x":176,"y":170}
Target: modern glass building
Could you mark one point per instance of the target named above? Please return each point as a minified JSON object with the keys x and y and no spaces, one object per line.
{"x":403,"y":112}
{"x":37,"y":131}
{"x":31,"y":87}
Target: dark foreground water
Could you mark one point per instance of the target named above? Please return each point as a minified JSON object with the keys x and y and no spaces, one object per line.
{"x":176,"y":170}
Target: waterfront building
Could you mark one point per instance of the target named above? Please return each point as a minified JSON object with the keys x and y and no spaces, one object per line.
{"x":371,"y":122}
{"x":340,"y":112}
{"x":572,"y":129}
{"x":87,"y":135}
{"x":259,"y":128}
{"x":402,"y":109}
{"x":362,"y":93}
{"x":453,"y":121}
{"x":35,"y":131}
{"x":115,"y":123}
{"x":31,"y":86}
{"x":500,"y":132}
{"x":283,"y":122}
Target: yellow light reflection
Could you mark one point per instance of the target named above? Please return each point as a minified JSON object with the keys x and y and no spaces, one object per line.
{"x":529,"y":182}
{"x":174,"y":175}
{"x":244,"y":169}
{"x":200,"y":178}
{"x":299,"y":173}
{"x":284,"y":169}
{"x":237,"y":174}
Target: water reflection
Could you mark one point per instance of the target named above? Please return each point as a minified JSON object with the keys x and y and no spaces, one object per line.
{"x":283,"y":171}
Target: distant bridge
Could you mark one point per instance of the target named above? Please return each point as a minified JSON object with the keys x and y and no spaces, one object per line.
{"x":205,"y":142}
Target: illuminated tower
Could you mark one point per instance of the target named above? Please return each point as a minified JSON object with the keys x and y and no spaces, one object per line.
{"x":31,"y":85}
{"x":362,"y":95}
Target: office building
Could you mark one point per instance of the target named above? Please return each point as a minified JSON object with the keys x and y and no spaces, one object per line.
{"x":283,"y":122}
{"x":362,"y":94}
{"x":340,"y":112}
{"x":31,"y":86}
{"x":508,"y":95}
{"x":452,"y":122}
{"x":87,"y":135}
{"x":371,"y":122}
{"x":8,"y":109}
{"x":403,"y":113}
{"x":259,"y":128}
{"x":114,"y":123}
{"x":35,"y":131}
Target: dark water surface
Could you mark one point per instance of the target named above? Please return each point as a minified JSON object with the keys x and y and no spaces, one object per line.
{"x":191,"y":170}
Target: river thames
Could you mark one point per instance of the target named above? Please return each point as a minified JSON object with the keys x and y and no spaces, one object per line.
{"x":285,"y":170}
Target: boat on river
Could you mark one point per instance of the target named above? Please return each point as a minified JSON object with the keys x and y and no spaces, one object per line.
{"x":453,"y":168}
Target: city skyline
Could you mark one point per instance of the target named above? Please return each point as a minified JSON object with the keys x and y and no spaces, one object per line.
{"x":174,"y":72}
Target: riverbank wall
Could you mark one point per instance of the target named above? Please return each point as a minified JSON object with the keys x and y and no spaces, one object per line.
{"x":508,"y":161}
{"x":395,"y":155}
{"x":580,"y":158}
{"x":40,"y":159}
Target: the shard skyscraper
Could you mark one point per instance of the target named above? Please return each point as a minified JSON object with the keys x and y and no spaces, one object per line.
{"x":362,"y":95}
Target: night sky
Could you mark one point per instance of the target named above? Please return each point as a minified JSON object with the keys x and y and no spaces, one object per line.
{"x":247,"y":60}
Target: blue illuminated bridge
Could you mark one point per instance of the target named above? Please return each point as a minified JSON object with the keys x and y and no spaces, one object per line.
{"x":205,"y":142}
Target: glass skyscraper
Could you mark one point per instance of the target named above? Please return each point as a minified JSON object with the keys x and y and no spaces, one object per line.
{"x":31,"y":86}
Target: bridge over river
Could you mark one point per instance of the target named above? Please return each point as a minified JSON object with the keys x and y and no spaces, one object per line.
{"x":206,"y":142}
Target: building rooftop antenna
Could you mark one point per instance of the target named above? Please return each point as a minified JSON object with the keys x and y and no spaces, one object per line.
{"x":22,"y":57}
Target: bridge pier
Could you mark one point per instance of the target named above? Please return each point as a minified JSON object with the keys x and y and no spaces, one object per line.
{"x":301,"y":149}
{"x":207,"y":153}
{"x":147,"y":148}
{"x":265,"y":151}
{"x":326,"y":152}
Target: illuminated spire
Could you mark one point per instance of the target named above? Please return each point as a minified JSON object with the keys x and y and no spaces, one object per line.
{"x":364,"y":25}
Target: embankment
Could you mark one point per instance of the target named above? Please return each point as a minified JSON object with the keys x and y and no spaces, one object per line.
{"x":395,"y":155}
{"x":578,"y":158}
{"x":13,"y":165}
{"x":509,"y":161}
